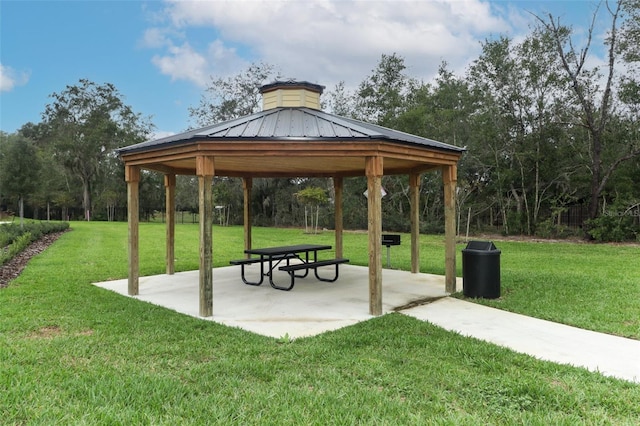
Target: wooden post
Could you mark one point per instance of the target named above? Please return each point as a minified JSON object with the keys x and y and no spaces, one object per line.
{"x":205,"y":172}
{"x":374,"y":171}
{"x":170,"y":201}
{"x":449,"y":177}
{"x":338,"y":186}
{"x":132,"y":177}
{"x":247,"y":184}
{"x":414,"y":187}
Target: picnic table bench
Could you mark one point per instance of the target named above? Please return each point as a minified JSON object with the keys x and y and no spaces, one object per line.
{"x":273,"y":256}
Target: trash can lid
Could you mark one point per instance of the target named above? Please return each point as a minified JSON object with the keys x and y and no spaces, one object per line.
{"x":481,"y":246}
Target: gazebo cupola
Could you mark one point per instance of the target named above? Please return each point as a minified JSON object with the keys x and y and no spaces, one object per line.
{"x":291,"y":94}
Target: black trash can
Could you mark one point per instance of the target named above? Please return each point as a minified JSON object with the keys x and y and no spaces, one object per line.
{"x":481,"y":270}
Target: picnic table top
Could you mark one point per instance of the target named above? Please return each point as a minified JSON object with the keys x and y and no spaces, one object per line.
{"x":298,"y":248}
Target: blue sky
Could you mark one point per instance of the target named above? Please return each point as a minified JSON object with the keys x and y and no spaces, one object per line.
{"x":161,"y":54}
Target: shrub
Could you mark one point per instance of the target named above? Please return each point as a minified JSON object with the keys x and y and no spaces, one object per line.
{"x":14,"y":238}
{"x":19,"y":244}
{"x":550,"y":229}
{"x":612,"y":228}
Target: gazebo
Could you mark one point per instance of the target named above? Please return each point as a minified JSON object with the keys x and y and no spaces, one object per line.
{"x":291,"y":137}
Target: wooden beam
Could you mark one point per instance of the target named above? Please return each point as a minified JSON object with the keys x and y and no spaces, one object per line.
{"x":170,"y":205}
{"x":205,"y":171}
{"x":168,"y":170}
{"x":338,"y":187}
{"x":449,"y":177}
{"x":286,"y":175}
{"x":131,"y":173}
{"x":273,"y":158}
{"x":374,"y":171}
{"x":252,"y":148}
{"x":204,"y":165}
{"x":414,"y":189}
{"x":132,"y":177}
{"x":247,"y":184}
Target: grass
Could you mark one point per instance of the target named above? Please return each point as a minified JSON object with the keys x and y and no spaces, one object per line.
{"x":592,"y":286}
{"x":71,"y":353}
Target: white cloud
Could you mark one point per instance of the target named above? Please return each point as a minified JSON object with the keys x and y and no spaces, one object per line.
{"x":185,"y":63}
{"x":326,"y":41}
{"x":154,"y":38}
{"x":10,"y":78}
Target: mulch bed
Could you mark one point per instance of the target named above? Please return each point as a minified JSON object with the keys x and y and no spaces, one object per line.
{"x":12,"y":268}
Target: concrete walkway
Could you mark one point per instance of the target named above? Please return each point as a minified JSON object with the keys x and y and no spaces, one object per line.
{"x":314,"y":307}
{"x":609,"y":355}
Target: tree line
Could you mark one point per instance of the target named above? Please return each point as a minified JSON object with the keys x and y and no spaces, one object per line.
{"x":552,"y":138}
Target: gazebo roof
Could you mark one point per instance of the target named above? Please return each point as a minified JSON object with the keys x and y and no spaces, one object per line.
{"x":324,"y":144}
{"x":291,"y":124}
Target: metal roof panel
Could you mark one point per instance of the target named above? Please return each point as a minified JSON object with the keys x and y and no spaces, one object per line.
{"x":292,"y":122}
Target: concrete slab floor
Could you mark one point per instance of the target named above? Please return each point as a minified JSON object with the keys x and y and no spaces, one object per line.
{"x":310,"y":308}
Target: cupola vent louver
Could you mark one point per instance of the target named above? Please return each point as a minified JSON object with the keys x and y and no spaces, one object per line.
{"x":291,"y":94}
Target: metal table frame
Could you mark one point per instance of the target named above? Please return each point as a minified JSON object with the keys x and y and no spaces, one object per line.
{"x":277,"y":255}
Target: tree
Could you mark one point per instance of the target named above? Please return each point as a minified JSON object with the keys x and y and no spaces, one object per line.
{"x":228,"y":98}
{"x":598,"y":105}
{"x":64,"y":200}
{"x":382,"y":98}
{"x":110,"y":192}
{"x":85,"y":124}
{"x":228,"y":197}
{"x":522,"y":104}
{"x":383,"y":95}
{"x":19,"y":169}
{"x":312,"y":197}
{"x":445,"y":110}
{"x":52,"y":179}
{"x":186,"y":193}
{"x":151,"y":193}
{"x":3,"y":148}
{"x":339,"y":101}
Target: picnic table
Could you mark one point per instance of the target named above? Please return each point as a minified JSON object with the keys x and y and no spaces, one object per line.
{"x":305,"y":256}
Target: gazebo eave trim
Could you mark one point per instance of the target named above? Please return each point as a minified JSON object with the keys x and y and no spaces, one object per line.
{"x":203,"y":139}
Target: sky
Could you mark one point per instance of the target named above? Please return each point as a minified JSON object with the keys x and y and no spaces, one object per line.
{"x":160,"y":55}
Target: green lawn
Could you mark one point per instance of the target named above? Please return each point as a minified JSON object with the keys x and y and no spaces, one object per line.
{"x":71,"y":353}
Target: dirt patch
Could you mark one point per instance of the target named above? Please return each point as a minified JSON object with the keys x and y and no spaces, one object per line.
{"x":10,"y":270}
{"x":47,"y":332}
{"x":51,"y":331}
